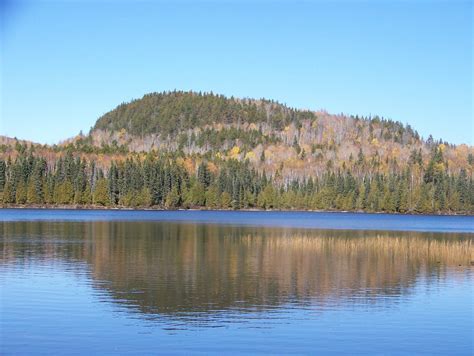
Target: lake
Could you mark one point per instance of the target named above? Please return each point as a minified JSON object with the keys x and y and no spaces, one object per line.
{"x":180,"y":282}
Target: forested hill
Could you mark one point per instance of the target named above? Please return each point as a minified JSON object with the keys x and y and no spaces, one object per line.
{"x":188,"y":149}
{"x":170,"y":113}
{"x":283,"y":141}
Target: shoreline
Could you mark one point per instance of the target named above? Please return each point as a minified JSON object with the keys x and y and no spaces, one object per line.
{"x":122,"y":208}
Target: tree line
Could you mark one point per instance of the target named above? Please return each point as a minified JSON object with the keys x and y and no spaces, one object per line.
{"x":163,"y":181}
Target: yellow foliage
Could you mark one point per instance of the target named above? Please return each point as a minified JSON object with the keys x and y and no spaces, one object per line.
{"x":250,"y":155}
{"x":375,"y":142}
{"x":442,"y":147}
{"x":234,"y":152}
{"x":287,"y":128}
{"x":122,"y":133}
{"x":180,"y":161}
{"x":439,"y":167}
{"x":395,"y":152}
{"x":218,"y":155}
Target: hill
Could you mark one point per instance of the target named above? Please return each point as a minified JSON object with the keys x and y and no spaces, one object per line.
{"x":175,"y":148}
{"x":272,"y":136}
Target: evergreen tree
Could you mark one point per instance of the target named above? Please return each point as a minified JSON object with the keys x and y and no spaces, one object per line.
{"x":101,"y":193}
{"x":226,"y":200}
{"x":8,"y":193}
{"x":3,"y":170}
{"x":144,"y":198}
{"x":204,"y":176}
{"x":212,"y":197}
{"x":20,"y":194}
{"x":173,"y":199}
{"x":31,"y":195}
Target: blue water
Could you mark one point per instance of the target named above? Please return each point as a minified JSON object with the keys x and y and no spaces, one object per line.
{"x":192,"y":282}
{"x":313,"y":220}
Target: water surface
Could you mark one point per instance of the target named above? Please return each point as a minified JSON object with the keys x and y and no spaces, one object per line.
{"x":313,"y":220}
{"x":187,"y":282}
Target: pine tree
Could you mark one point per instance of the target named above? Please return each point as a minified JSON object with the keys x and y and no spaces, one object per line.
{"x":236,"y":194}
{"x":425,"y":202}
{"x":101,"y":193}
{"x":173,"y":199}
{"x":204,"y":176}
{"x":226,"y":200}
{"x":195,"y":195}
{"x":144,"y":198}
{"x":403,"y":204}
{"x":267,"y":198}
{"x":3,"y":177}
{"x":8,"y":193}
{"x":360,"y":202}
{"x":373,"y":197}
{"x":32,"y":196}
{"x":86,"y":197}
{"x":212,"y":197}
{"x":64,"y":193}
{"x":20,"y":195}
{"x":113,"y":185}
{"x":462,"y":188}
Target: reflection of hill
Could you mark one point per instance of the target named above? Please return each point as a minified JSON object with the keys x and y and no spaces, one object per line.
{"x":169,"y":267}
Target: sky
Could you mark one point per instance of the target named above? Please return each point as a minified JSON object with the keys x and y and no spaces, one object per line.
{"x":65,"y":63}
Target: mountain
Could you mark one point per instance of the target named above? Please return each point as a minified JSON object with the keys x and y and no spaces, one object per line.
{"x":272,"y":136}
{"x":260,"y":153}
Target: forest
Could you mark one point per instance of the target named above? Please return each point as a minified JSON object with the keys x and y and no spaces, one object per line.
{"x":171,"y":181}
{"x":172,"y":112}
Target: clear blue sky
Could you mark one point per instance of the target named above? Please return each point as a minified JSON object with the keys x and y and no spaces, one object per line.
{"x":65,"y":63}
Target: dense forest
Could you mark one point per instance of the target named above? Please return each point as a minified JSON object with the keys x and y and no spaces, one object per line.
{"x":173,"y":112}
{"x":168,"y":181}
{"x":201,"y":150}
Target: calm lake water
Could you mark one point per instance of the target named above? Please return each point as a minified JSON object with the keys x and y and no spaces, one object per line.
{"x":113,"y":282}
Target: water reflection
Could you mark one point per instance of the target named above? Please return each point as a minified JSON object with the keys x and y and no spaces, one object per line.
{"x":177,"y":268}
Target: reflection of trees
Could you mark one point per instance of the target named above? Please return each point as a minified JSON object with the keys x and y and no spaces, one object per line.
{"x":170,"y":267}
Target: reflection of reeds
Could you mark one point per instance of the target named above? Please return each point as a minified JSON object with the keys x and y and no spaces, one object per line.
{"x":315,"y":264}
{"x":423,"y":250}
